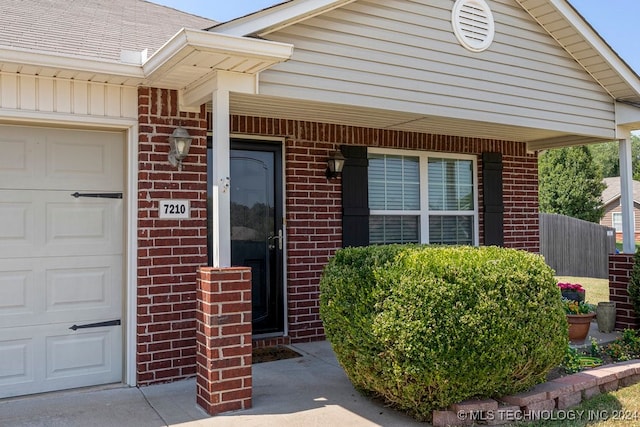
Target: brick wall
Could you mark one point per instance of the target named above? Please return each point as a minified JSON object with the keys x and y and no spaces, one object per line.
{"x":313,"y":204}
{"x":223,"y":332}
{"x":620,"y":267}
{"x":169,"y":251}
{"x":520,"y":187}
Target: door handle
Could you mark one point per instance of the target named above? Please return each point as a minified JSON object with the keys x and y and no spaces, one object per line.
{"x":278,"y":238}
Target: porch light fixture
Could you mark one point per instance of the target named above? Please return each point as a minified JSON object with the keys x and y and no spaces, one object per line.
{"x":335,"y":163}
{"x":179,"y":144}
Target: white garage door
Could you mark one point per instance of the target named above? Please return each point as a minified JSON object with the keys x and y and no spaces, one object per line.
{"x":61,"y":258}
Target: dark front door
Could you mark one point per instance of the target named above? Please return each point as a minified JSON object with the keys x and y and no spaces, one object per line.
{"x":256,"y":227}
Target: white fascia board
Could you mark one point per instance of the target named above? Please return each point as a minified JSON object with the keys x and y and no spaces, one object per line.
{"x":69,"y":62}
{"x":598,"y":43}
{"x":274,"y":18}
{"x":214,"y":42}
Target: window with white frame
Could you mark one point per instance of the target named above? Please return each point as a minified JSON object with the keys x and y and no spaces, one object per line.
{"x":419,"y":197}
{"x":616,"y":219}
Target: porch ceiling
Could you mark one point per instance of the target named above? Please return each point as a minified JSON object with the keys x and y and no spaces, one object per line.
{"x":272,"y":107}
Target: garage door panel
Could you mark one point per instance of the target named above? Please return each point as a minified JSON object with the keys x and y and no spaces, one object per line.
{"x":54,"y":223}
{"x":80,"y":353}
{"x":64,"y":290}
{"x":16,"y":292}
{"x":19,"y":160}
{"x":17,"y":357}
{"x":51,"y":357}
{"x":17,"y":228}
{"x":36,"y":158}
{"x":83,"y":288}
{"x":79,"y":226}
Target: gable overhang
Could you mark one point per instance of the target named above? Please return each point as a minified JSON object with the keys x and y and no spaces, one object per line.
{"x":563,"y":22}
{"x":616,"y":201}
{"x":190,"y":59}
{"x":277,"y":17}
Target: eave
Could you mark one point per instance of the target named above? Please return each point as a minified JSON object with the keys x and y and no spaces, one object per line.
{"x":184,"y":63}
{"x":190,"y":55}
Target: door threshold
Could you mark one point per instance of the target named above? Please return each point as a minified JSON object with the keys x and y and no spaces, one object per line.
{"x":267,"y":335}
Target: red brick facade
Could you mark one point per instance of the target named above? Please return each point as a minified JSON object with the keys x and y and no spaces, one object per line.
{"x":170,"y":251}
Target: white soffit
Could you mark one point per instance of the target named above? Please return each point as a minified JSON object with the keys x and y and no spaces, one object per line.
{"x":281,"y":108}
{"x":191,"y":55}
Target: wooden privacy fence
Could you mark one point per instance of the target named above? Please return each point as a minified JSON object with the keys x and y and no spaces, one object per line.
{"x":573,"y":247}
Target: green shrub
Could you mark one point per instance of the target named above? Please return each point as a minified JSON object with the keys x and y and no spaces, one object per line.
{"x":424,"y":326}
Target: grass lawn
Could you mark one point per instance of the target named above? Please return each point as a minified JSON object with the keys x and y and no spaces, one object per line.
{"x":596,"y":289}
{"x":619,"y":246}
{"x":619,"y":408}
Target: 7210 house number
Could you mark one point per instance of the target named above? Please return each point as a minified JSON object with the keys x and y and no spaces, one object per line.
{"x":174,"y":209}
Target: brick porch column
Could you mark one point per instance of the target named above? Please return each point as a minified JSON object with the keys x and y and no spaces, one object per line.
{"x":223,"y":339}
{"x":620,"y":266}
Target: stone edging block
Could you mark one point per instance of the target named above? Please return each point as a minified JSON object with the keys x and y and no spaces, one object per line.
{"x":561,"y":394}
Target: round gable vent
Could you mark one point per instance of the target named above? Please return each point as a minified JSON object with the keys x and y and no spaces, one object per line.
{"x":473,"y":24}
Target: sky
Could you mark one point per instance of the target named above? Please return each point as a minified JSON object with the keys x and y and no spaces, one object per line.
{"x":614,"y":20}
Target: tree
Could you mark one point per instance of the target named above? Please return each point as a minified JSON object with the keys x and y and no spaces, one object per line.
{"x":607,"y":157}
{"x":571,"y":183}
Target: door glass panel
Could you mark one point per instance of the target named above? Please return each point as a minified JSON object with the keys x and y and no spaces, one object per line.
{"x":256,"y":227}
{"x":255,"y":238}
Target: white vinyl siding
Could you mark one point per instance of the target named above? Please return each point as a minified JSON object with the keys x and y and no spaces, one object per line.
{"x":420,"y":197}
{"x":54,"y":95}
{"x":404,"y":56}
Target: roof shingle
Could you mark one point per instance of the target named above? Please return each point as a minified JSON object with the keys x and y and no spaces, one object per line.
{"x":613,"y":190}
{"x":96,"y":29}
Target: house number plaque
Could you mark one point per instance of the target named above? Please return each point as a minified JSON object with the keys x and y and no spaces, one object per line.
{"x":174,"y":209}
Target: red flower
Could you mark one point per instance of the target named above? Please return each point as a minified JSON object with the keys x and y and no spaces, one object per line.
{"x":570,"y":286}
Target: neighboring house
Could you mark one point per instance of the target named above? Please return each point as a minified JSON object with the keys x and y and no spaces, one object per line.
{"x":611,"y":199}
{"x":440,"y":125}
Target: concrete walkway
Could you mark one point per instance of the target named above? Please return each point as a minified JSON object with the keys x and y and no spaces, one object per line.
{"x":305,"y":391}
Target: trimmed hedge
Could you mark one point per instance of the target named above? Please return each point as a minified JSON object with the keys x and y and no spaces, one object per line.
{"x":424,"y":327}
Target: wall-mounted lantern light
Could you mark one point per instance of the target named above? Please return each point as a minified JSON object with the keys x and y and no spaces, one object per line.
{"x":179,"y":144}
{"x":335,"y":163}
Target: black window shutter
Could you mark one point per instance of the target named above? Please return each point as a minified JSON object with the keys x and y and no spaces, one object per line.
{"x":493,"y":200}
{"x":355,"y":197}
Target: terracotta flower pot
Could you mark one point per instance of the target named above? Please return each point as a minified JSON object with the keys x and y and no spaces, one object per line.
{"x":579,"y":326}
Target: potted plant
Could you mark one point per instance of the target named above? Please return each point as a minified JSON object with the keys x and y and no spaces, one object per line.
{"x":572,"y":291}
{"x":579,"y":316}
